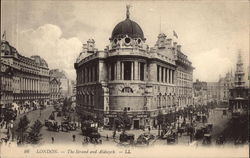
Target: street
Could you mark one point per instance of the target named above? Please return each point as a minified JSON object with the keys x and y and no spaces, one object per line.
{"x":216,"y":118}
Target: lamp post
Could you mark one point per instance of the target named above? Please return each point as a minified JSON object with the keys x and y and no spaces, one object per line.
{"x":191,"y":113}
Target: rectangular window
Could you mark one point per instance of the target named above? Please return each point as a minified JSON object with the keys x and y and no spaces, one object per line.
{"x":82,"y":80}
{"x":158,"y":73}
{"x":112,"y":66}
{"x":91,"y":74}
{"x":96,"y":73}
{"x":166,"y":75}
{"x":127,"y":70}
{"x":141,"y":71}
{"x":87,"y":74}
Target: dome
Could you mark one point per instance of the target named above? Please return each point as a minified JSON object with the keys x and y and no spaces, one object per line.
{"x":127,"y":27}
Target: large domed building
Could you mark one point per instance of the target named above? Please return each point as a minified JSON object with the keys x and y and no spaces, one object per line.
{"x":130,"y":77}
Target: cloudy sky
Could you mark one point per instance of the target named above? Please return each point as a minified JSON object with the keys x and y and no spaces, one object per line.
{"x":211,"y":32}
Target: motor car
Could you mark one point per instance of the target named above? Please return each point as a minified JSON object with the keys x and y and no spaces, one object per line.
{"x":207,"y":139}
{"x":90,"y":130}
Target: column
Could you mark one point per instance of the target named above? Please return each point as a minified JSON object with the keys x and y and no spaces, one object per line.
{"x":29,"y":84}
{"x":136,"y":77}
{"x":160,"y":74}
{"x":132,"y":70}
{"x":38,"y":84}
{"x":31,"y":80}
{"x":173,"y":77}
{"x":164,"y":75}
{"x":118,"y":70}
{"x":122,"y":71}
{"x":145,"y":71}
{"x":170,"y":76}
{"x":26,"y":85}
{"x":167,"y":75}
{"x":109,"y":70}
{"x":21,"y":82}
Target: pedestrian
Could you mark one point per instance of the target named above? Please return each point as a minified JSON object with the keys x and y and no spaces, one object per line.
{"x":74,"y":138}
{"x":107,"y":137}
{"x":114,"y":134}
{"x":149,"y":129}
{"x":52,"y":139}
{"x":191,"y":138}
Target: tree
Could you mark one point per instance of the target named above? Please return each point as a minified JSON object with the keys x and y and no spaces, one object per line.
{"x":66,"y":105}
{"x":34,"y":135}
{"x":22,"y":128}
{"x":122,"y":121}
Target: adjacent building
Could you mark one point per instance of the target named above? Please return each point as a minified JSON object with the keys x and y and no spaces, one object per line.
{"x":63,"y":80}
{"x":239,"y":94}
{"x":224,"y":84}
{"x":200,"y":93}
{"x":212,"y":92}
{"x":23,"y":80}
{"x":129,"y":76}
{"x":55,"y":89}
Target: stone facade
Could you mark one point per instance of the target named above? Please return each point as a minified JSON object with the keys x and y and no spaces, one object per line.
{"x":61,"y":77}
{"x":129,"y":76}
{"x":23,"y":79}
{"x":224,"y":84}
{"x":55,"y":89}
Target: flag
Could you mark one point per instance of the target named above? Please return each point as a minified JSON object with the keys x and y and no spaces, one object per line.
{"x":4,"y":34}
{"x":175,"y":34}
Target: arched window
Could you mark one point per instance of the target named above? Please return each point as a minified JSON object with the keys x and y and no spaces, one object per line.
{"x":127,"y":90}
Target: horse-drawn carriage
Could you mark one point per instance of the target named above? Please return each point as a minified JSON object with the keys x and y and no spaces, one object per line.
{"x":126,"y":138}
{"x":220,"y":140}
{"x":52,"y":125}
{"x":68,"y":126}
{"x":145,"y":138}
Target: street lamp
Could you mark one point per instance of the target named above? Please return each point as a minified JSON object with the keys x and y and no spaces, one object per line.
{"x":191,"y":113}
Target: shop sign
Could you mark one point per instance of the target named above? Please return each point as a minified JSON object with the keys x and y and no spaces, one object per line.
{"x":141,"y":115}
{"x":111,"y":115}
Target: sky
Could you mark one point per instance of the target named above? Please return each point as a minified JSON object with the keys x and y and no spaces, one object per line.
{"x":211,"y":32}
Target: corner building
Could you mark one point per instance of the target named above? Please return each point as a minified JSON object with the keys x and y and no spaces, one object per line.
{"x":129,"y":76}
{"x":24,"y":81}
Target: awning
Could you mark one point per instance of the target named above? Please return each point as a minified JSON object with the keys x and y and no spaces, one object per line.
{"x":26,"y":102}
{"x":239,"y":98}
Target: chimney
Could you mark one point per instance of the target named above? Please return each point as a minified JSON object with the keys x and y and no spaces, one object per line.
{"x":179,"y":48}
{"x":91,"y":44}
{"x":169,"y":42}
{"x":84,"y":47}
{"x":161,"y":40}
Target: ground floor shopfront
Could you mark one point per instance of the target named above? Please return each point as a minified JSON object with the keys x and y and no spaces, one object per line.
{"x":138,"y":119}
